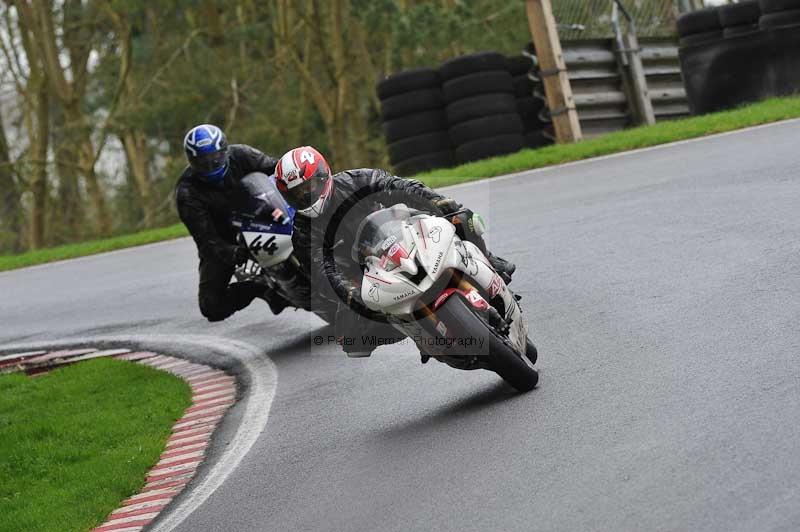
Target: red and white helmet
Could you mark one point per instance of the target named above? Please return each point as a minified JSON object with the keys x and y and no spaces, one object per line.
{"x":304,"y":178}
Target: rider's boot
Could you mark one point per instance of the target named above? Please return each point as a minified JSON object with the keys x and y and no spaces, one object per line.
{"x":359,"y":354}
{"x":275,"y":301}
{"x":504,"y":268}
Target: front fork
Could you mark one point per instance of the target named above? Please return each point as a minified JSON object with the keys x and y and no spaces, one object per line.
{"x":426,"y":313}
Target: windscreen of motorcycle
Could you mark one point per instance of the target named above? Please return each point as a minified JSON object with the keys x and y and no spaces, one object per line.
{"x":258,"y":200}
{"x":263,"y":218}
{"x":381,"y":235}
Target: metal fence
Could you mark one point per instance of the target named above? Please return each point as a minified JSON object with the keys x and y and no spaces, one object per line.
{"x":600,"y":94}
{"x":591,"y":19}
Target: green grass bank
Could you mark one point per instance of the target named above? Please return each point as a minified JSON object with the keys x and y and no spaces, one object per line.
{"x":76,"y":442}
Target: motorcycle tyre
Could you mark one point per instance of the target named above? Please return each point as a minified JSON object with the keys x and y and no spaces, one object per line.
{"x":460,"y":316}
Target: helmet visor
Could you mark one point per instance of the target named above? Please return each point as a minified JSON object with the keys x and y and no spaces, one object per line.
{"x":207,"y":163}
{"x":304,"y":195}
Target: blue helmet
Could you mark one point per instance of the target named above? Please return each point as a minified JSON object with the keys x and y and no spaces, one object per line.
{"x":207,"y":151}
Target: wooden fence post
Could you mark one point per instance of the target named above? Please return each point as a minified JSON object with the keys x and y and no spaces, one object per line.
{"x":553,"y":71}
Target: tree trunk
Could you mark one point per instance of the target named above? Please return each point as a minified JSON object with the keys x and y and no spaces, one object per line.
{"x":78,"y":133}
{"x":68,"y":85}
{"x":38,"y":184}
{"x":139,"y":166}
{"x":10,"y":212}
{"x":68,"y":213}
{"x":36,"y":114}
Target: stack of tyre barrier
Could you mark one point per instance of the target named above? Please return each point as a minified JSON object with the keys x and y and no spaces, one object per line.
{"x":481,"y":107}
{"x":699,"y":27}
{"x":414,"y":121}
{"x":780,"y":20}
{"x":778,"y":14}
{"x":531,"y":104}
{"x":751,"y":53}
{"x":739,"y":19}
{"x":473,"y":107}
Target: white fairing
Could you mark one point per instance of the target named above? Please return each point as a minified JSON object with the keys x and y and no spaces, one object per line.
{"x":433,"y":243}
{"x":269,"y":249}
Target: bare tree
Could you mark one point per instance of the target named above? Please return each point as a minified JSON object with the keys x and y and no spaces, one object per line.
{"x":325,"y":66}
{"x":10,"y":208}
{"x":126,"y":100}
{"x":68,"y":84}
{"x":33,"y":91}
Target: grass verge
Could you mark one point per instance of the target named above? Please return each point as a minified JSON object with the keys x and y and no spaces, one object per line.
{"x":76,"y":442}
{"x":91,"y":247}
{"x":630,"y":139}
{"x":662,"y":133}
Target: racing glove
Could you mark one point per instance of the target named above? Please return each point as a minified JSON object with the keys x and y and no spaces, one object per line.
{"x":447,"y":205}
{"x":240,"y":255}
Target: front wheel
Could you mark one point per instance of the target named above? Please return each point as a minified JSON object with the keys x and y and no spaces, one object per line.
{"x":530,"y":351}
{"x":464,"y":321}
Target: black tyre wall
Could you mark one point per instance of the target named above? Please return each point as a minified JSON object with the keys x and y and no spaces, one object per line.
{"x":423,"y":163}
{"x":746,"y":68}
{"x":407,"y":81}
{"x":487,"y":82}
{"x":700,"y":38}
{"x":488,"y":126}
{"x":726,"y":73}
{"x":774,"y":6}
{"x":474,"y":95}
{"x":530,"y":107}
{"x":739,"y":14}
{"x":411,"y":102}
{"x":700,"y":21}
{"x":784,"y":61}
{"x":735,"y":31}
{"x":518,"y":65}
{"x":414,"y":124}
{"x":783,"y":19}
{"x":537,"y":139}
{"x":523,"y":86}
{"x":416,"y":146}
{"x":469,"y":64}
{"x":480,"y":106}
{"x":489,"y":147}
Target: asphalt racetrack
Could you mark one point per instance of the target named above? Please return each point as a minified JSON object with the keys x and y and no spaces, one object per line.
{"x":663,"y":290}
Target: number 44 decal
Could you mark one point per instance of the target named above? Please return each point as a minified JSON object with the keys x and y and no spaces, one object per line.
{"x":268,"y":246}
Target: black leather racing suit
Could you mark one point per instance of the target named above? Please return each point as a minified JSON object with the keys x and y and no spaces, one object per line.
{"x":206,"y":209}
{"x":355,"y":194}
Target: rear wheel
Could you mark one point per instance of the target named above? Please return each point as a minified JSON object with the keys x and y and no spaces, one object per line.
{"x":464,"y":321}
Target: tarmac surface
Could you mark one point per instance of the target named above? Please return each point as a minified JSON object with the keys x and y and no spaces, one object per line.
{"x":662,"y":288}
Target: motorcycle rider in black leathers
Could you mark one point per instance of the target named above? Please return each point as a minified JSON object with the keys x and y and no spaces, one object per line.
{"x":204,"y":195}
{"x":329,"y":211}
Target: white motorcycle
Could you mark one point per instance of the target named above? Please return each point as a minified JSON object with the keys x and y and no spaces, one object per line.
{"x":442,"y":292}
